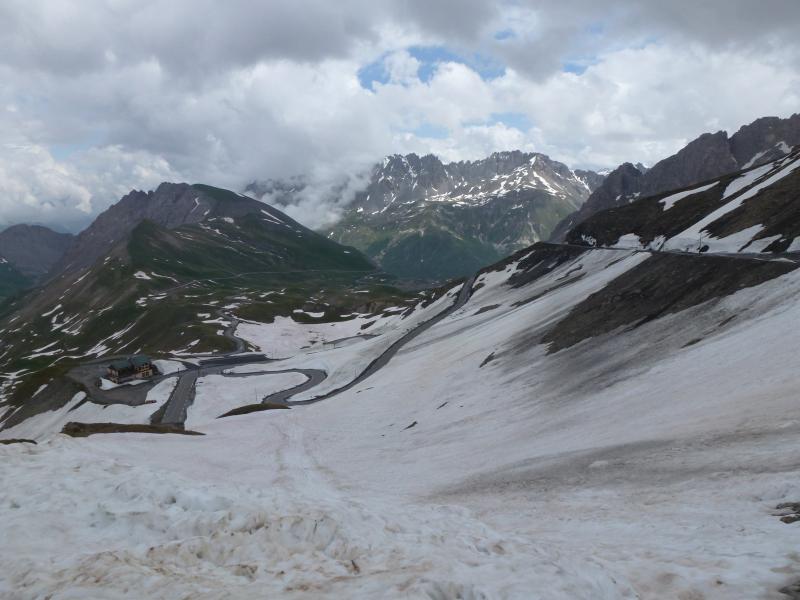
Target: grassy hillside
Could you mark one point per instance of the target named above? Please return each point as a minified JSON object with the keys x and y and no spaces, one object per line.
{"x":160,"y":291}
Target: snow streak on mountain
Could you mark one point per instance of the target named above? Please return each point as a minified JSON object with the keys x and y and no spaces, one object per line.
{"x":422,"y":219}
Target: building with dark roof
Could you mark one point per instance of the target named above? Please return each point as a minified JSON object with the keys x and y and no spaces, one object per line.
{"x":138,"y":366}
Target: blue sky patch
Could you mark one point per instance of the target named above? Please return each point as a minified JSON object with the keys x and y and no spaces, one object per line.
{"x":430,"y":57}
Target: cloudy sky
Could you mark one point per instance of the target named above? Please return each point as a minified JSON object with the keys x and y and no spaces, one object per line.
{"x":101,"y":96}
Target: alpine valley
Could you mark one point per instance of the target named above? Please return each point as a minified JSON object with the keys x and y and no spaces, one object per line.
{"x":610,"y":417}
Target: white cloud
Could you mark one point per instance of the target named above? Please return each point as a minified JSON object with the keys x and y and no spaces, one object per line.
{"x":402,"y":67}
{"x":102,"y":96}
{"x":36,"y":188}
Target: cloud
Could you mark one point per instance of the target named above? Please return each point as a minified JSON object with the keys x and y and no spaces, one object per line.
{"x":105,"y":95}
{"x":36,"y":188}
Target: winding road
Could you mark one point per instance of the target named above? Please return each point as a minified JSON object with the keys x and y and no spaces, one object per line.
{"x":383,"y":359}
{"x":175,"y":410}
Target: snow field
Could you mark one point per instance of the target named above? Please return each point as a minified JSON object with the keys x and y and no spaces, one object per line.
{"x":631,"y":465}
{"x":47,"y":425}
{"x":217,"y":394}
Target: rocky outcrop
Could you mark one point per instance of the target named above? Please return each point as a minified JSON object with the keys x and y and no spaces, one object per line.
{"x":622,"y":182}
{"x":706,"y":157}
{"x":709,"y":156}
{"x":764,"y":139}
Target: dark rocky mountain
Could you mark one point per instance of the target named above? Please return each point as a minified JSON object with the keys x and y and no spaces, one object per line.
{"x":32,"y":249}
{"x":751,"y":211}
{"x":422,"y":219}
{"x":171,"y":205}
{"x":710,"y":155}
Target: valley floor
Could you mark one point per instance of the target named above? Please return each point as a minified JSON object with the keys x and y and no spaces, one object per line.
{"x":646,"y":462}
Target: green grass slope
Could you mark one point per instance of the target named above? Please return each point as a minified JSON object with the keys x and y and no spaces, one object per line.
{"x":154,"y":291}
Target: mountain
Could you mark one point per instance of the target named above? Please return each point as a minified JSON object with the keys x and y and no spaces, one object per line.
{"x":751,"y":211}
{"x":171,"y":205}
{"x":422,"y":219}
{"x":139,"y":276}
{"x":32,"y":249}
{"x":27,"y":254}
{"x":710,"y":155}
{"x":578,"y":422}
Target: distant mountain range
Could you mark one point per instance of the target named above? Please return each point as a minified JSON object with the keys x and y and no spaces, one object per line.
{"x":423,"y":219}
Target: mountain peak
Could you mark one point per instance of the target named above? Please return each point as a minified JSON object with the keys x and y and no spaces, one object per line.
{"x":170,"y":205}
{"x":707,"y":157}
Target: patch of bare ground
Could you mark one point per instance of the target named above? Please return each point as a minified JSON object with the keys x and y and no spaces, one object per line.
{"x":75,"y":429}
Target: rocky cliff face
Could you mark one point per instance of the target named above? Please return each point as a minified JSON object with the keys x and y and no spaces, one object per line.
{"x":752,"y":211}
{"x":709,"y":156}
{"x":33,"y":250}
{"x":765,"y":140}
{"x":622,"y":182}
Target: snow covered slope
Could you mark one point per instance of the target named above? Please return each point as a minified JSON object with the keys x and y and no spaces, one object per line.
{"x":592,"y":424}
{"x":751,"y":211}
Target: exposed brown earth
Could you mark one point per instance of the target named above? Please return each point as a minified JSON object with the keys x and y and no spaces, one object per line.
{"x":75,"y":429}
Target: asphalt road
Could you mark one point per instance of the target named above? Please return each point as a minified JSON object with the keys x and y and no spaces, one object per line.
{"x":759,"y":256}
{"x":384,"y":358}
{"x":183,"y":394}
{"x":181,"y":397}
{"x":315,"y":377}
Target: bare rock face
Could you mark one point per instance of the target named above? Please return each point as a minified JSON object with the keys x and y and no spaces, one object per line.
{"x":622,"y":182}
{"x":33,"y":249}
{"x":704,"y":158}
{"x":170,"y":205}
{"x":765,"y":140}
{"x":709,"y":156}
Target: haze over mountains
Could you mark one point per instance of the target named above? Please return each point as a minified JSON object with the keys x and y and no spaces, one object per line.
{"x":418,"y":218}
{"x":422,"y":219}
{"x":27,"y":254}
